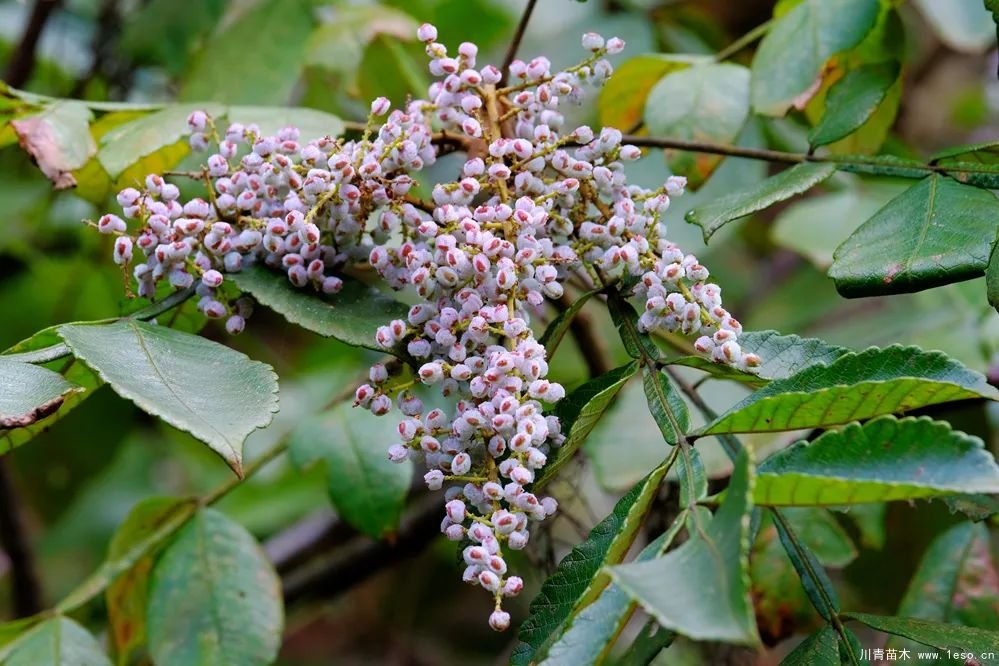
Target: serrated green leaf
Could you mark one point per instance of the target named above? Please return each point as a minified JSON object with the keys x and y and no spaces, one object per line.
{"x":312,"y":124}
{"x":693,"y":478}
{"x":214,"y":598}
{"x":963,"y":25}
{"x":578,"y":578}
{"x":708,"y":102}
{"x":30,"y":393}
{"x":852,"y":100}
{"x":56,"y":642}
{"x":936,"y":232}
{"x":556,"y":330}
{"x":782,"y":355}
{"x":822,"y":647}
{"x":580,"y":411}
{"x":798,"y":45}
{"x":149,"y":523}
{"x":366,"y":488}
{"x":215,"y":393}
{"x":858,"y":385}
{"x":977,"y":643}
{"x":884,"y":459}
{"x":956,"y":581}
{"x":622,"y":99}
{"x":665,"y":404}
{"x":227,"y":71}
{"x":701,"y":589}
{"x":712,"y":216}
{"x":352,"y":316}
{"x":125,"y":144}
{"x":592,"y":631}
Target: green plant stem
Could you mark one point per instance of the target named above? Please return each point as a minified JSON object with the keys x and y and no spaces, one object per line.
{"x":830,"y":608}
{"x":61,"y":350}
{"x":744,"y":41}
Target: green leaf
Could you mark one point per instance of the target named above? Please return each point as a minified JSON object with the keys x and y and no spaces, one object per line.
{"x":819,"y":530}
{"x":798,"y":45}
{"x":858,"y":385}
{"x":665,"y":404}
{"x":556,"y":330}
{"x":701,"y":103}
{"x":592,"y":631}
{"x":30,"y":393}
{"x":963,"y":25}
{"x":57,"y":139}
{"x":822,"y":647}
{"x":814,"y":579}
{"x":779,"y":600}
{"x":950,"y":637}
{"x":578,"y":578}
{"x":712,"y":216}
{"x":701,"y":589}
{"x":622,"y":99}
{"x":149,"y":524}
{"x":637,"y":344}
{"x":312,"y":124}
{"x":783,"y":356}
{"x":226,"y":70}
{"x":352,"y":316}
{"x":214,"y":598}
{"x":339,"y":44}
{"x":936,"y":232}
{"x":882,"y":460}
{"x":58,"y":641}
{"x":651,"y":641}
{"x":394,"y":69}
{"x":693,"y":477}
{"x":366,"y":488}
{"x":215,"y":393}
{"x":852,"y":100}
{"x":126,"y":144}
{"x":956,"y":581}
{"x":992,"y":278}
{"x":580,"y":411}
{"x":138,"y":540}
{"x":77,"y":374}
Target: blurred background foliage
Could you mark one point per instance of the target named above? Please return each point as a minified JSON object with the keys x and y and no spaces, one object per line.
{"x":80,"y":479}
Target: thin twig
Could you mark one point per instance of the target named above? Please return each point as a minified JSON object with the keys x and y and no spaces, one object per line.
{"x":511,"y":51}
{"x":744,"y":41}
{"x":853,"y":162}
{"x":22,"y":62}
{"x":26,"y":590}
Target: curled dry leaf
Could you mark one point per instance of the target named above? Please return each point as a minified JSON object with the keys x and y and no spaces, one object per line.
{"x":58,"y":140}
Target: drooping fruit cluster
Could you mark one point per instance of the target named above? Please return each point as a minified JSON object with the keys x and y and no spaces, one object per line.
{"x":533,"y":206}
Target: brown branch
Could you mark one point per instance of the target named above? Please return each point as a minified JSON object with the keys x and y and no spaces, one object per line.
{"x":22,"y":61}
{"x":26,"y":592}
{"x":511,"y":51}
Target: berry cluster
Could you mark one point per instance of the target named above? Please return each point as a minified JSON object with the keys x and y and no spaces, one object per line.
{"x":534,"y":206}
